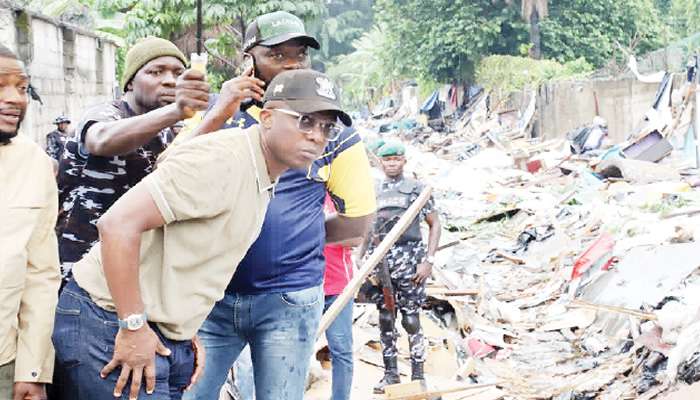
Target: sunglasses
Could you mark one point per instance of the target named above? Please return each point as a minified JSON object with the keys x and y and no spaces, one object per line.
{"x":306,"y":123}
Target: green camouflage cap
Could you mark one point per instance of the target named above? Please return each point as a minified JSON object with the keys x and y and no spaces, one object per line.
{"x":391,"y":149}
{"x":375,"y":144}
{"x":274,"y":28}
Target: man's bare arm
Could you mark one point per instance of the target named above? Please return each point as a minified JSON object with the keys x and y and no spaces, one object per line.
{"x":120,"y":230}
{"x":424,"y":268}
{"x":435,"y":229}
{"x":340,"y":228}
{"x":233,"y":93}
{"x":124,"y":136}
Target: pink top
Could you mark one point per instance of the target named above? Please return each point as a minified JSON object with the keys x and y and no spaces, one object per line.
{"x":339,"y":266}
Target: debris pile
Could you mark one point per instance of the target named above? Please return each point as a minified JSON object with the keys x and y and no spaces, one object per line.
{"x":567,"y":267}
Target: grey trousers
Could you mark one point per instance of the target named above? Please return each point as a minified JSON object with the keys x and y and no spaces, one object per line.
{"x":7,"y":381}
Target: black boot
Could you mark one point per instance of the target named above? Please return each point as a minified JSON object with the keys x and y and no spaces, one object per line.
{"x":391,"y":374}
{"x":417,"y":371}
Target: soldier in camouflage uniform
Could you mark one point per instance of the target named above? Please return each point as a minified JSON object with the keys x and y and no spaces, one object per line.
{"x":116,"y":144}
{"x":408,"y":260}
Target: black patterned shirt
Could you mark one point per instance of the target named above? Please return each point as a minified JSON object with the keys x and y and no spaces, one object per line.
{"x":89,"y":184}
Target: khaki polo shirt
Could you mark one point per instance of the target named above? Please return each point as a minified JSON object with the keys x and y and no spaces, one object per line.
{"x":29,"y":272}
{"x":213,"y":193}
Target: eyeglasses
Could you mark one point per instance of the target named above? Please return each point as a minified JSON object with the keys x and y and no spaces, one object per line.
{"x":306,"y":123}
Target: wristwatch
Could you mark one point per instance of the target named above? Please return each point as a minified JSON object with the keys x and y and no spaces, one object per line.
{"x":133,"y":322}
{"x":430,"y":260}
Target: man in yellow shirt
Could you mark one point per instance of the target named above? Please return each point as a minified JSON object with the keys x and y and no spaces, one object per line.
{"x":29,"y":272}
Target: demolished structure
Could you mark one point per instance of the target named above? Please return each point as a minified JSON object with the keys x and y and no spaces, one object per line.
{"x":567,"y":267}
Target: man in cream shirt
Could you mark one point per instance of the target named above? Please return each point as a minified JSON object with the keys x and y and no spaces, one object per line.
{"x":171,"y":244}
{"x":29,"y":272}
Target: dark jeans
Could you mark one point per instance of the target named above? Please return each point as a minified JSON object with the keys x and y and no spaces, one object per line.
{"x":84,"y":339}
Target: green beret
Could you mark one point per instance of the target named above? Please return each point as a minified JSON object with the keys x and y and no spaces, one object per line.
{"x":375,"y":144}
{"x":392,"y":149}
{"x":145,"y":50}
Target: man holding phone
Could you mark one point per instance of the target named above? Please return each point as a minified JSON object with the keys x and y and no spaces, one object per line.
{"x":276,"y":294}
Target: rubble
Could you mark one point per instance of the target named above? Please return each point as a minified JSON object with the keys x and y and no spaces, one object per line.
{"x":567,"y":272}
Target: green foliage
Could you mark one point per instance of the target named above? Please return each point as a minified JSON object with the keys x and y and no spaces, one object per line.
{"x":336,"y":29}
{"x":510,"y":73}
{"x":588,"y":28}
{"x":684,"y":16}
{"x":443,"y":40}
{"x":361,"y":73}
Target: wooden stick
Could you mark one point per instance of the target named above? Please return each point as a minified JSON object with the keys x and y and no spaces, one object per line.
{"x":373,"y":260}
{"x":427,"y":395}
{"x":684,"y":104}
{"x":618,"y":310}
{"x":444,"y":246}
{"x":451,"y":292}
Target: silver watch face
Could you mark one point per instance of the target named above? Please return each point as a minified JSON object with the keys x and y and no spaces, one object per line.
{"x":134,"y":322}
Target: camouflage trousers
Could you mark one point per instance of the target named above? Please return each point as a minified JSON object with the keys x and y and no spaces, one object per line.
{"x":409,"y":298}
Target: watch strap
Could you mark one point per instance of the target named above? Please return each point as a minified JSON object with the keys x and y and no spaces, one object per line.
{"x":124,"y":324}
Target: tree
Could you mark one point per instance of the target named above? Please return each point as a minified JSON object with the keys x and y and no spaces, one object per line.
{"x":344,"y":22}
{"x":362,"y":74}
{"x":684,"y":15}
{"x":589,"y":28}
{"x":89,"y":15}
{"x":532,"y":11}
{"x":443,"y":40}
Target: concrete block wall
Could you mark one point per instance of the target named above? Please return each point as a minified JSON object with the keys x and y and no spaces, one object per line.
{"x":72,"y":70}
{"x":564,"y":106}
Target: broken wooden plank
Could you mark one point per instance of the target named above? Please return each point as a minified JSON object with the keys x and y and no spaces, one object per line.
{"x":434,"y":393}
{"x":432,"y":291}
{"x":402,"y":390}
{"x":619,"y":310}
{"x":691,"y":392}
{"x":509,"y":257}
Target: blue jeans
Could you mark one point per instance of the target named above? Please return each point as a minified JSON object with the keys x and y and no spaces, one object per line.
{"x":339,"y":336}
{"x":244,"y":375}
{"x":281,"y":331}
{"x":84,"y":340}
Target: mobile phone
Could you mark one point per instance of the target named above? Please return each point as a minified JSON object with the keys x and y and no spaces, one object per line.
{"x":247,"y":63}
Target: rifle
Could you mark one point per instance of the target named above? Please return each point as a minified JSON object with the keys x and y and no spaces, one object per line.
{"x":385,"y":277}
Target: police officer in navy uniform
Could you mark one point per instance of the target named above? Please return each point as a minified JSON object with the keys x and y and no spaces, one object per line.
{"x":56,"y":139}
{"x":409,"y":261}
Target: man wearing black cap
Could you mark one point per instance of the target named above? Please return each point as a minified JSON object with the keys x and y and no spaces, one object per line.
{"x":169,"y":246}
{"x":116,"y":144}
{"x":56,"y":139}
{"x":277,"y":291}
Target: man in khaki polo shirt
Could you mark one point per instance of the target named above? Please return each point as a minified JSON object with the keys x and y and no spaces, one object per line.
{"x":171,"y":244}
{"x":29,"y":272}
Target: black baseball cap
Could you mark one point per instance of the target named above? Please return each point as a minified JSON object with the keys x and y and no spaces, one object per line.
{"x":307,"y":91}
{"x":274,"y":28}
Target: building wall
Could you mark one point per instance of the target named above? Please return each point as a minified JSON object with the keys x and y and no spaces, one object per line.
{"x":564,"y":106}
{"x":71,"y":69}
